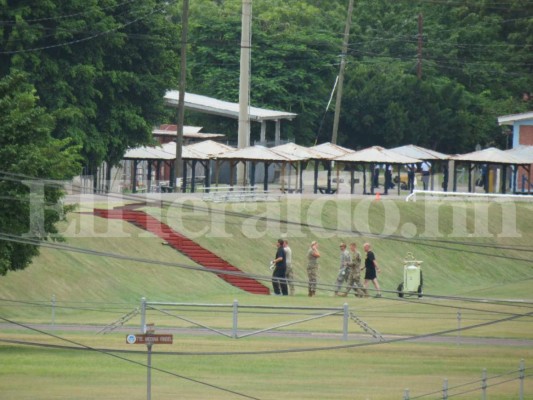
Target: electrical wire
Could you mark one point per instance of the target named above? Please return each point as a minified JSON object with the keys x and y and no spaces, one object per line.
{"x":307,"y":349}
{"x":9,"y":237}
{"x":418,"y":240}
{"x":86,"y":11}
{"x":108,"y":353}
{"x":85,"y":39}
{"x":263,"y":278}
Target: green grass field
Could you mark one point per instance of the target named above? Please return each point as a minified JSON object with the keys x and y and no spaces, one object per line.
{"x":475,"y":256}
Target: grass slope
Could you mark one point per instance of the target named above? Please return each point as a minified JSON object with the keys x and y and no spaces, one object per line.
{"x":466,"y":249}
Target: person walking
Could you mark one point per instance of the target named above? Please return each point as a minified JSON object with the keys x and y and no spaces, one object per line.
{"x":345,"y":261}
{"x":354,"y":277}
{"x":279,"y":282}
{"x":288,"y":260}
{"x":312,"y":267}
{"x":371,"y":269}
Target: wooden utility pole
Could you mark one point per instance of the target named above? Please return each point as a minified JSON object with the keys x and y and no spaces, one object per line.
{"x":244,"y":85}
{"x":178,"y":166}
{"x":341,"y":73}
{"x":420,"y":41}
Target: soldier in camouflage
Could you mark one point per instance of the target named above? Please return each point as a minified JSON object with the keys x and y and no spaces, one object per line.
{"x":312,"y":267}
{"x":354,"y":277}
{"x":345,"y":261}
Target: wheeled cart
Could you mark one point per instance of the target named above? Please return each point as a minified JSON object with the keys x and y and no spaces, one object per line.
{"x":412,"y":277}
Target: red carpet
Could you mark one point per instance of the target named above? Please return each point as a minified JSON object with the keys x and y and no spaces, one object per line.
{"x":191,"y":249}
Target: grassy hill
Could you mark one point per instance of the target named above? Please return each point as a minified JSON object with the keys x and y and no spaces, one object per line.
{"x":472,"y":249}
{"x":466,"y":248}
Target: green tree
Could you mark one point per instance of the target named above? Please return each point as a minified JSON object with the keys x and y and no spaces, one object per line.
{"x":476,"y":62}
{"x":295,"y":49}
{"x":100,"y":68}
{"x":30,"y":207}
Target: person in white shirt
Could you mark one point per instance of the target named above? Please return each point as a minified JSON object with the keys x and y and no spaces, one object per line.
{"x":289,"y":274}
{"x":426,"y":169}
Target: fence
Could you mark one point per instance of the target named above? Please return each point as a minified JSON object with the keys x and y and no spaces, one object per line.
{"x":436,"y":193}
{"x":481,"y":385}
{"x":310,"y":314}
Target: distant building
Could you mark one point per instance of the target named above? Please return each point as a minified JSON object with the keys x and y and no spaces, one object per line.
{"x":522,"y":136}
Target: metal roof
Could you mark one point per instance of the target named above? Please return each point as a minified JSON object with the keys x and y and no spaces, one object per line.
{"x":490,"y":155}
{"x":411,"y":150}
{"x":296,"y":152}
{"x":330,"y":151}
{"x":523,"y":152}
{"x":377,"y":154}
{"x":511,"y":119}
{"x":170,"y":129}
{"x":210,"y":148}
{"x":186,"y":152}
{"x":149,"y":153}
{"x":210,"y":105}
{"x":254,"y":153}
{"x":189,"y":132}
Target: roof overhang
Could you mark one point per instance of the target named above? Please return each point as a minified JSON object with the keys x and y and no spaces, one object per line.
{"x":209,"y":105}
{"x":511,"y":119}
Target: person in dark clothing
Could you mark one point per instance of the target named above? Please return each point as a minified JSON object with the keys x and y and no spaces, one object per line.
{"x":279,"y":281}
{"x":411,"y":169}
{"x":371,"y":269}
{"x":389,"y":184}
{"x":375,"y":176}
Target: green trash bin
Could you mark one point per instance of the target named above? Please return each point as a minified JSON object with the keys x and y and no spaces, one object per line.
{"x":412,"y":277}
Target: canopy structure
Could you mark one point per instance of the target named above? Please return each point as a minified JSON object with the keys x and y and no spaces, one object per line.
{"x":489,"y":156}
{"x":302,"y":155}
{"x":411,"y":150}
{"x":326,"y":153}
{"x":210,"y":148}
{"x":293,"y":149}
{"x":156,"y":154}
{"x":186,"y":152}
{"x":525,"y":153}
{"x":201,"y":152}
{"x":209,"y":105}
{"x":522,"y":176}
{"x":330,"y":151}
{"x":376,"y":155}
{"x":149,"y":153}
{"x":256,"y":154}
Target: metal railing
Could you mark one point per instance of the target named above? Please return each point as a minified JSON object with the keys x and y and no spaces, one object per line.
{"x":235,"y":332}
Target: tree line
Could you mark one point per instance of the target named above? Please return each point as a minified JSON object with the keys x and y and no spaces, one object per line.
{"x":84,"y":80}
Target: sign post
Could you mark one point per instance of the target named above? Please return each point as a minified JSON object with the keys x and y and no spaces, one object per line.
{"x":149,"y":338}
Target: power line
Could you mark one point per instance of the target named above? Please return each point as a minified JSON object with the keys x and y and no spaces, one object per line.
{"x":86,"y":11}
{"x":108,"y":353}
{"x":297,"y":350}
{"x":85,"y":39}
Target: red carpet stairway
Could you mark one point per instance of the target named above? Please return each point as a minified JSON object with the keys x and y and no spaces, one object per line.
{"x":186,"y":246}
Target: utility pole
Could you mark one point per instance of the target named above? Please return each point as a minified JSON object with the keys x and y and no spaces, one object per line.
{"x":419,"y":64}
{"x":341,"y":73}
{"x":178,"y":166}
{"x":244,"y":85}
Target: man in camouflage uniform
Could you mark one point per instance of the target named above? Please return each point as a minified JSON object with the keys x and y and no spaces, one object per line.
{"x":312,"y":267}
{"x":345,"y":261}
{"x":354,"y":277}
